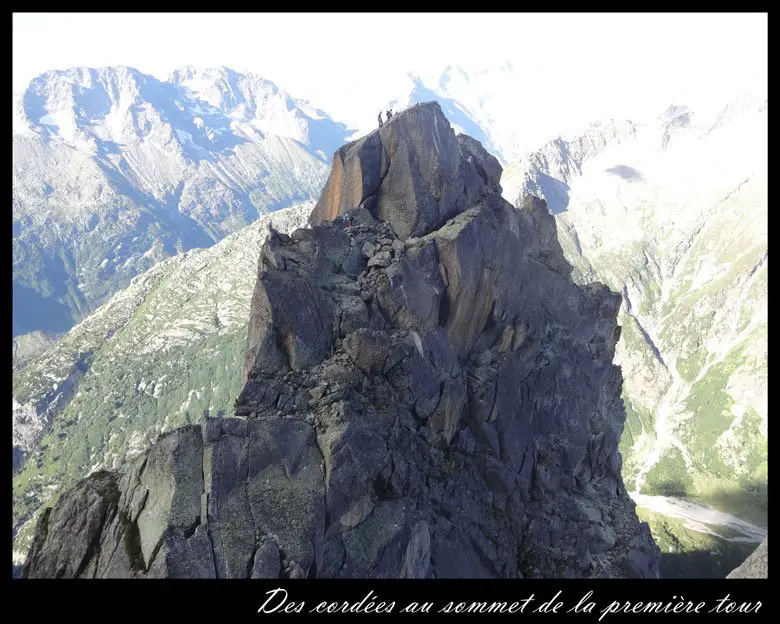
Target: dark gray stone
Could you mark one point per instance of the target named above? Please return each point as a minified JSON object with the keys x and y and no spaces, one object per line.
{"x":427,"y":395}
{"x":267,"y":562}
{"x":368,"y":349}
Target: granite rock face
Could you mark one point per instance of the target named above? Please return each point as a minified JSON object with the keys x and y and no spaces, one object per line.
{"x":428,"y":395}
{"x":414,"y":173}
{"x":756,"y":565}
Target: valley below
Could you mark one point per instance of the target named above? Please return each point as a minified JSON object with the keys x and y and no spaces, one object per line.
{"x":702,"y":518}
{"x":696,"y":539}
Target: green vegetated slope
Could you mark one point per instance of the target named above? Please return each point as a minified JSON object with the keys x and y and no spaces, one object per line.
{"x":157,"y":355}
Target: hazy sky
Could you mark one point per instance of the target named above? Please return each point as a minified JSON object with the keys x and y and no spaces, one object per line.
{"x":573,"y":65}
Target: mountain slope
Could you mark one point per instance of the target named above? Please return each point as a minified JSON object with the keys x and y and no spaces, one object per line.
{"x":154,"y":356}
{"x":673,"y":214}
{"x":115,"y":170}
{"x":27,"y":345}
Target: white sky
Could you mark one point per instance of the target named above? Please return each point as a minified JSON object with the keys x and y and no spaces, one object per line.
{"x":569,"y":67}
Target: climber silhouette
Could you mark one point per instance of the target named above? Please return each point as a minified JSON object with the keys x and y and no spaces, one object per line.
{"x":379,"y":118}
{"x":389,"y":114}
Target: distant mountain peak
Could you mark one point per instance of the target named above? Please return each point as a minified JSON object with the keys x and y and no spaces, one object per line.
{"x":183,"y":162}
{"x":674,"y":110}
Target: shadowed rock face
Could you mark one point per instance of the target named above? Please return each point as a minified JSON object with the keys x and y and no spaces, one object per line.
{"x":428,"y":395}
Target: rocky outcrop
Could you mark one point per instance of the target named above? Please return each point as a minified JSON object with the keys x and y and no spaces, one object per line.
{"x":428,"y":395}
{"x":756,"y":565}
{"x":413,"y":173}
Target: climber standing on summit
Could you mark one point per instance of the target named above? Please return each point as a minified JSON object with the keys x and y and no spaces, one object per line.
{"x":389,"y":114}
{"x":379,"y":118}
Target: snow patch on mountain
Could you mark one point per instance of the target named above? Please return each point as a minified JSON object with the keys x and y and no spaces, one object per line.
{"x":114,"y":170}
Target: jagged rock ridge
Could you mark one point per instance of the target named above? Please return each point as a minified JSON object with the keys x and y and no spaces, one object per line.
{"x":428,"y":394}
